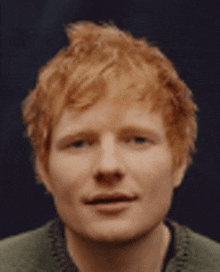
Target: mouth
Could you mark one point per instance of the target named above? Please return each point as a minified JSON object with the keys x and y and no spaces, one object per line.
{"x":111,"y":204}
{"x":110,"y":199}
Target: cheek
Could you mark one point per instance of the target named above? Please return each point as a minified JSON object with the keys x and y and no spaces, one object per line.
{"x":67,"y":175}
{"x":152,"y":172}
{"x":67,"y":167}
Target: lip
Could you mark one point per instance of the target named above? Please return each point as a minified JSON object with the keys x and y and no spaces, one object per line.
{"x":110,"y":197}
{"x":111,"y":203}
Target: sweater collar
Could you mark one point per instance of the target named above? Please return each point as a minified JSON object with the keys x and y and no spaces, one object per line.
{"x":176,"y":260}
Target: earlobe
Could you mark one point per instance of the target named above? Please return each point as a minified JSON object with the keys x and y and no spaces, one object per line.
{"x":179,"y":175}
{"x":43,"y":175}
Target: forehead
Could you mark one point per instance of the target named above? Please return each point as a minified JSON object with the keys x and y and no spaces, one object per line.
{"x":108,"y":115}
{"x":120,"y":100}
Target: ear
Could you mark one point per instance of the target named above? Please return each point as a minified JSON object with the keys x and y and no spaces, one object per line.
{"x":178,"y":174}
{"x":43,"y":174}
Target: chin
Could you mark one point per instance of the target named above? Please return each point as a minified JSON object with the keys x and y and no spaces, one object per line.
{"x":112,"y":230}
{"x":115,"y":233}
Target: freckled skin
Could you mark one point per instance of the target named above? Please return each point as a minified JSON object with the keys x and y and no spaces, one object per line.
{"x":145,"y":169}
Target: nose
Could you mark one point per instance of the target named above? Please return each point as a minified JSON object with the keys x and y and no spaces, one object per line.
{"x":108,"y":167}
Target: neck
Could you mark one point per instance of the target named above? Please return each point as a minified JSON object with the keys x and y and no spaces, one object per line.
{"x":147,"y":253}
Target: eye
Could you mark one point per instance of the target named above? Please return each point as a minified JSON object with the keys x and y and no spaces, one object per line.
{"x":139,"y":140}
{"x":78,"y":144}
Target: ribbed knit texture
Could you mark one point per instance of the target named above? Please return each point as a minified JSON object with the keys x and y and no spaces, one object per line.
{"x":58,"y":247}
{"x":44,"y":249}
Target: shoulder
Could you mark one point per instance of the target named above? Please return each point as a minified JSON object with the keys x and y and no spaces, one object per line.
{"x":205,"y":250}
{"x":196,"y":252}
{"x":23,"y":252}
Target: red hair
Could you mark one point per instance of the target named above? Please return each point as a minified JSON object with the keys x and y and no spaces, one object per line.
{"x":78,"y":76}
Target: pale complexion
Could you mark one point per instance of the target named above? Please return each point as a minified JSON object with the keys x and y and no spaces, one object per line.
{"x":104,"y":151}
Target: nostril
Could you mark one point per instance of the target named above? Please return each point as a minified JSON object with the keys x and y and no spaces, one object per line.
{"x":108,"y":177}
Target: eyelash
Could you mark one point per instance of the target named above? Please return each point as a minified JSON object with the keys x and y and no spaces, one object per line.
{"x":77,"y":142}
{"x":91,"y":142}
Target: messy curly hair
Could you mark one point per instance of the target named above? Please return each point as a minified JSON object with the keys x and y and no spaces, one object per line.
{"x":78,"y":75}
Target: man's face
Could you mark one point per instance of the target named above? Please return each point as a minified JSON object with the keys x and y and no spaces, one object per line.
{"x":110,"y":171}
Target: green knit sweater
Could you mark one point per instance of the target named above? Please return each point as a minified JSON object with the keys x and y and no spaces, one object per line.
{"x":44,"y":249}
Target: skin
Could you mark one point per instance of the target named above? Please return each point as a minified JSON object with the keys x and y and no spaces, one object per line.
{"x":120,"y":150}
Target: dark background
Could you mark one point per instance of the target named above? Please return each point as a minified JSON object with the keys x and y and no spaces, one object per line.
{"x":187,"y":31}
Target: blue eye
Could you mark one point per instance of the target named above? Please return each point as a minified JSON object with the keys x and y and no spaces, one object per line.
{"x":78,"y":144}
{"x":140,"y":140}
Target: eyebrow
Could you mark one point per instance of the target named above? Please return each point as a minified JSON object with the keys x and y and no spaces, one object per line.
{"x":148,"y":132}
{"x":136,"y":129}
{"x":74,"y":135}
{"x":131,"y":129}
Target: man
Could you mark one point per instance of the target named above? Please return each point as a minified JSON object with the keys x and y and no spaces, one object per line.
{"x":113,"y":130}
